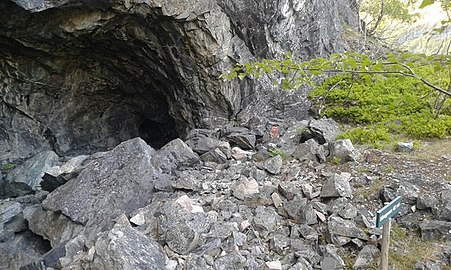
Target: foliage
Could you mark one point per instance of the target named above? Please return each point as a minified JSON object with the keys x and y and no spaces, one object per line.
{"x":8,"y":166}
{"x":274,"y":151}
{"x":446,"y":6}
{"x":336,"y":160}
{"x":401,"y":94}
{"x":384,"y":106}
{"x":377,"y":13}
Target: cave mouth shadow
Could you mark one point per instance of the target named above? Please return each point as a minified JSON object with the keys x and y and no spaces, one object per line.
{"x":158,"y":133}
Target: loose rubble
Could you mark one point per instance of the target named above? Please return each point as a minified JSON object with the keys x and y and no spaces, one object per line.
{"x":135,"y":207}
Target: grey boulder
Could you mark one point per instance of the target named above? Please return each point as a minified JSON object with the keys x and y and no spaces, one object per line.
{"x":366,"y":257}
{"x":119,"y":182}
{"x":33,"y":169}
{"x":344,"y":151}
{"x":337,"y":185}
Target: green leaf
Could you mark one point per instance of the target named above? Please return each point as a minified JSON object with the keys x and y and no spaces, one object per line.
{"x":315,"y":72}
{"x":426,"y":3}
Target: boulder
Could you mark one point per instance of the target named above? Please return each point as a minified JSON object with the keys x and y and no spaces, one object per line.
{"x":323,"y":130}
{"x":435,"y":230}
{"x":331,"y":259}
{"x":174,"y":155}
{"x":347,"y":228}
{"x":120,"y":182}
{"x":123,"y":248}
{"x":366,"y":257}
{"x":244,"y":140}
{"x":9,"y":210}
{"x":202,"y":140}
{"x":274,"y":164}
{"x":344,"y":151}
{"x":52,"y":226}
{"x":337,"y":185}
{"x":445,"y":211}
{"x":33,"y":169}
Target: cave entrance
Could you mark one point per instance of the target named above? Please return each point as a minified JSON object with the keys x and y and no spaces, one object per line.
{"x":157,"y":134}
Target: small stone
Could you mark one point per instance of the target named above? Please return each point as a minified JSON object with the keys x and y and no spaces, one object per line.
{"x":240,"y":154}
{"x":266,"y":218}
{"x":123,"y":220}
{"x":138,"y":219}
{"x":276,"y":199}
{"x":171,"y":265}
{"x":279,"y":243}
{"x":320,"y":216}
{"x":245,"y":224}
{"x":289,"y":190}
{"x":189,"y":205}
{"x":273,"y":165}
{"x":405,"y":147}
{"x":359,"y":243}
{"x":308,"y":233}
{"x":245,"y":188}
{"x":239,"y":238}
{"x":307,"y":189}
{"x":274,"y":265}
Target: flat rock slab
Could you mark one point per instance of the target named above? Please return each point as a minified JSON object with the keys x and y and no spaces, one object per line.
{"x":119,"y":182}
{"x":33,"y":169}
{"x":8,"y":210}
{"x":324,"y":130}
{"x":347,"y":228}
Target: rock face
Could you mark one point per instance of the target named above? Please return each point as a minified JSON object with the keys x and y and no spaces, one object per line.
{"x":86,"y":75}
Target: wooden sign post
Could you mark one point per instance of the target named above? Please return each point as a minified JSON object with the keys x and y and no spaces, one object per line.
{"x":383,"y":218}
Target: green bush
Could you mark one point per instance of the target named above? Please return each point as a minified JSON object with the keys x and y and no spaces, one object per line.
{"x":385,"y":106}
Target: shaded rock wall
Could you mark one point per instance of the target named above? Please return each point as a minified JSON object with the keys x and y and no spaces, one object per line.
{"x":85,"y":75}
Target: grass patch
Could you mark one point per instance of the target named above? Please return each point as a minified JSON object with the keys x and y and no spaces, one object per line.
{"x":8,"y":166}
{"x":274,"y":151}
{"x":367,"y":191}
{"x":407,"y":248}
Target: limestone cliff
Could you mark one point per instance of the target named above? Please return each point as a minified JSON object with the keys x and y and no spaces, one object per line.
{"x":85,"y":75}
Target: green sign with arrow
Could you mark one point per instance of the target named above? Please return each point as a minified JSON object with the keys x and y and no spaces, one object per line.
{"x":388,"y":211}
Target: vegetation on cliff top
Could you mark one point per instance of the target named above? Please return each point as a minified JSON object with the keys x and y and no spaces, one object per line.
{"x":405,"y":94}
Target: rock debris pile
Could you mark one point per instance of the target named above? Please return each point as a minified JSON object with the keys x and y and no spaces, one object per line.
{"x":223,"y":199}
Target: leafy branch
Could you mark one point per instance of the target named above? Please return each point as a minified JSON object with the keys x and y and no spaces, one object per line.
{"x":291,"y":74}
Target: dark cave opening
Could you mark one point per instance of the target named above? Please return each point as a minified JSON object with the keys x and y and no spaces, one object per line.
{"x":157,"y":134}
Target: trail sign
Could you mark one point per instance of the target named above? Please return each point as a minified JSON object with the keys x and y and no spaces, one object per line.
{"x":383,"y":217}
{"x":388,"y":211}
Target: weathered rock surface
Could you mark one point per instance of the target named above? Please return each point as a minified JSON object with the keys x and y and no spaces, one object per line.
{"x":366,"y":257}
{"x":119,"y":182}
{"x":120,"y":248}
{"x":87,"y":75}
{"x":32,"y":170}
{"x":344,"y":151}
{"x":337,"y":185}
